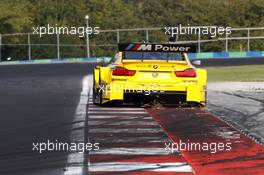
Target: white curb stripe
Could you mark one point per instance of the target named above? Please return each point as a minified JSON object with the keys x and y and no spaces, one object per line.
{"x":126,"y":130}
{"x":73,"y":171}
{"x":130,"y":117}
{"x":114,"y":109}
{"x":115,"y":112}
{"x":132,"y":151}
{"x":129,"y":122}
{"x":139,"y":166}
{"x":131,"y":139}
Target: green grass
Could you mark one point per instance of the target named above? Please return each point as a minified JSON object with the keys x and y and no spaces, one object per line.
{"x":236,"y":73}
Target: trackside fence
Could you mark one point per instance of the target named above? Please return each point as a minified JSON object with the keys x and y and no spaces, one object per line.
{"x":27,"y":46}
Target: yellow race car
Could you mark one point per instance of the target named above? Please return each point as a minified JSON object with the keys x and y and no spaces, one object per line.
{"x":142,"y":72}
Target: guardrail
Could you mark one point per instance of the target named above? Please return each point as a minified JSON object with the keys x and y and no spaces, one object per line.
{"x":215,"y":55}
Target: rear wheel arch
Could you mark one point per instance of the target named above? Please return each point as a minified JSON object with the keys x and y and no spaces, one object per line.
{"x":202,"y":76}
{"x":96,"y":76}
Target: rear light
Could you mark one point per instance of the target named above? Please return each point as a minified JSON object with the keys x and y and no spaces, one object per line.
{"x":186,"y":73}
{"x":121,"y":71}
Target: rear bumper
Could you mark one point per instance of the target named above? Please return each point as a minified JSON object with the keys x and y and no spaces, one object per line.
{"x":168,"y":97}
{"x":186,"y":92}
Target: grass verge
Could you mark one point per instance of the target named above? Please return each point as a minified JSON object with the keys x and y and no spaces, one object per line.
{"x":236,"y":73}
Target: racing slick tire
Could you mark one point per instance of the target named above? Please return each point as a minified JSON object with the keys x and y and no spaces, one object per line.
{"x":97,"y":94}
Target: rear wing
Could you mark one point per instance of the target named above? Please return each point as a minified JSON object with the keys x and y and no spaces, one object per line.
{"x":145,"y":47}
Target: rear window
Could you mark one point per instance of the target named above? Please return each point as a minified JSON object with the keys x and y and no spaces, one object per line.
{"x":153,"y":56}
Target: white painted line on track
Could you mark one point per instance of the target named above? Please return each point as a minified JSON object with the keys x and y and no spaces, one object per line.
{"x":139,"y":166}
{"x":132,"y":151}
{"x":126,"y":130}
{"x":78,"y":130}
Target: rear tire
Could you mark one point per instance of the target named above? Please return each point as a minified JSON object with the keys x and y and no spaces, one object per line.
{"x":97,"y":94}
{"x":194,"y":105}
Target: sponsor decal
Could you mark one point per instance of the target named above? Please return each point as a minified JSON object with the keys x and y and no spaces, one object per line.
{"x":157,"y":47}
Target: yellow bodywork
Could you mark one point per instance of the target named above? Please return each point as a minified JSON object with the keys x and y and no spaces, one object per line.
{"x":148,"y":80}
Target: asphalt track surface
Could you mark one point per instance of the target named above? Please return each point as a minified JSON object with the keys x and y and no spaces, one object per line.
{"x":53,"y":101}
{"x":37,"y":103}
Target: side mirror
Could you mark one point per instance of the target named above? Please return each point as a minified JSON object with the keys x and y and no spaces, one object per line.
{"x":197,"y":62}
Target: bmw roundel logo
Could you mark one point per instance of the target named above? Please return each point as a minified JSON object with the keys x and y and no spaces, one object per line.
{"x":155,"y":66}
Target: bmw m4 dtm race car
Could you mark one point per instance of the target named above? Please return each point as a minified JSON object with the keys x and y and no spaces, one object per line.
{"x":142,"y":71}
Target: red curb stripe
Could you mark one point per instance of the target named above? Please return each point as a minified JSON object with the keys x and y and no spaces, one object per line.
{"x":245,"y":157}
